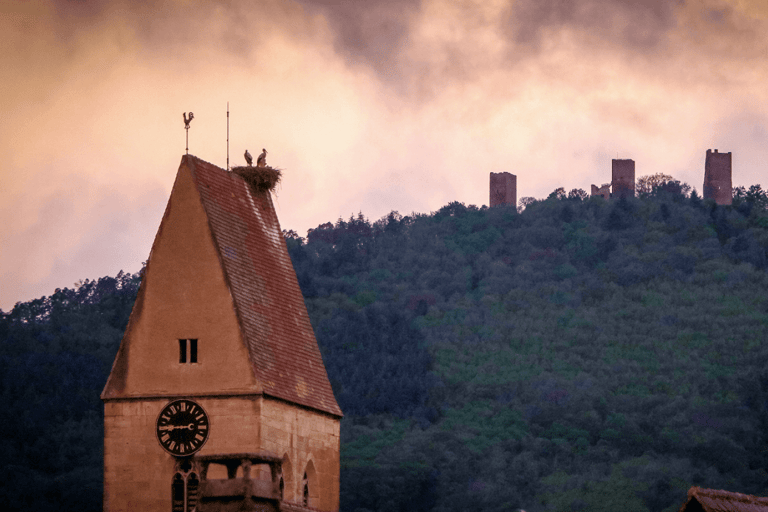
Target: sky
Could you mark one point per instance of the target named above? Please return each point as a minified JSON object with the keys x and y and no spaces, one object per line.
{"x":367,"y":106}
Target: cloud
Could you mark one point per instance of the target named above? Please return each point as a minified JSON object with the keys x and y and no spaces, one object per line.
{"x":371,"y":31}
{"x":637,"y":24}
{"x":73,"y":236}
{"x":368,"y":106}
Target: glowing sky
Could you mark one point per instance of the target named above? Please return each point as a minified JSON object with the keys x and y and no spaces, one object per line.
{"x":368,"y":106}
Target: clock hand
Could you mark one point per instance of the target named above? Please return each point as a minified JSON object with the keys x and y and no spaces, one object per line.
{"x":191,"y":426}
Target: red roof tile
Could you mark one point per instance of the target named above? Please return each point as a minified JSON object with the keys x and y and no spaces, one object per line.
{"x":268,"y":301}
{"x":715,"y":500}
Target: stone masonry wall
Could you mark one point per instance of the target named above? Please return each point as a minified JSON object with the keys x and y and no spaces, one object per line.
{"x":718,"y":177}
{"x":623,"y":178}
{"x":503,"y":189}
{"x":310,"y":443}
{"x":603,"y":191}
{"x":138,"y":472}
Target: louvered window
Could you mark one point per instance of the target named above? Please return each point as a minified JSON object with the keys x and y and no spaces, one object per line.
{"x":192,"y":485}
{"x":177,"y":493}
{"x":188,"y":351}
{"x":184,"y":489}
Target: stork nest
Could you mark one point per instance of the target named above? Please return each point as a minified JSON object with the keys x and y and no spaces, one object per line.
{"x":259,"y":178}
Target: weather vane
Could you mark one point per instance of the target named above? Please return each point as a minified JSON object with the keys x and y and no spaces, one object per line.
{"x":188,"y":120}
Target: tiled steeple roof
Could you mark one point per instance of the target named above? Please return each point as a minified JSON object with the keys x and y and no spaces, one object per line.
{"x":269,"y":305}
{"x":716,"y":500}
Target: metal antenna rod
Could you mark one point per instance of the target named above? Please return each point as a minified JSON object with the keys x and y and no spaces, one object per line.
{"x":227,"y":135}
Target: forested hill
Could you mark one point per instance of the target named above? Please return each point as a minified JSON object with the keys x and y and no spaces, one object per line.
{"x":581,"y":355}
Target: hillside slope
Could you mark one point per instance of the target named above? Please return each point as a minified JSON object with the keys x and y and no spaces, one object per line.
{"x":580,"y":355}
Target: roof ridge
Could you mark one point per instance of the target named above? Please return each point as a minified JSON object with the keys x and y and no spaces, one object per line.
{"x":730,"y":495}
{"x":273,"y":319}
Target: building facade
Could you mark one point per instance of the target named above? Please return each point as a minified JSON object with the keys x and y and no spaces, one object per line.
{"x":218,"y":362}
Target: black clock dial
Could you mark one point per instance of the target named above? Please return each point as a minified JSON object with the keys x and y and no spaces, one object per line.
{"x":182,"y":427}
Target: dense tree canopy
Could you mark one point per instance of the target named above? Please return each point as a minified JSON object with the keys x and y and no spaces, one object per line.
{"x":581,"y":355}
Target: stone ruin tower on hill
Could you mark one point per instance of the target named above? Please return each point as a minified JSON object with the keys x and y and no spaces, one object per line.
{"x":623,"y":178}
{"x":218,"y":398}
{"x":503,"y":189}
{"x":718,"y":177}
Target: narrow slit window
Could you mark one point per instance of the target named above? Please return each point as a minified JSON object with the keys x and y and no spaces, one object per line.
{"x":182,"y":351}
{"x":193,"y":351}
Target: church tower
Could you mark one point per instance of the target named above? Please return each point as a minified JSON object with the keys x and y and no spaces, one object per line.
{"x":218,"y":396}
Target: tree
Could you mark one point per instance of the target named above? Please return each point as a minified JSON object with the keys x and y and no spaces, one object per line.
{"x":579,"y":194}
{"x":292,"y":235}
{"x":558,"y":193}
{"x":646,"y":184}
{"x":653,"y":183}
{"x":525,"y":202}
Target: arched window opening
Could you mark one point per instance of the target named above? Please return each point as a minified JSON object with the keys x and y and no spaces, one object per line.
{"x":193,"y":483}
{"x":177,"y":493}
{"x":309,"y":486}
{"x":184,"y":490}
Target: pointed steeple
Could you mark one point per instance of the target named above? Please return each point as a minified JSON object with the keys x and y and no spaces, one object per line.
{"x":219,"y":273}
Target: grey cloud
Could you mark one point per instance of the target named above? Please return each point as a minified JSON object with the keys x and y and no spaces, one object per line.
{"x":638,"y":24}
{"x":374,"y":33}
{"x":369,"y":32}
{"x":236,"y":27}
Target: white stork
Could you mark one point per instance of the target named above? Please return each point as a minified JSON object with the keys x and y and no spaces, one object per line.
{"x":262,"y":160}
{"x":248,"y":158}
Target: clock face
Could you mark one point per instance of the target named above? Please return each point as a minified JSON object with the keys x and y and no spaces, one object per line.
{"x":182,"y":427}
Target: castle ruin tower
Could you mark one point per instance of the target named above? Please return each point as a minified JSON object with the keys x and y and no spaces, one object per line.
{"x":717,"y":177}
{"x":503,"y":189}
{"x":623,"y":178}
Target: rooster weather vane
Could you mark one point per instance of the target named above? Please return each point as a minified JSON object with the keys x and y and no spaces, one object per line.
{"x":188,"y":120}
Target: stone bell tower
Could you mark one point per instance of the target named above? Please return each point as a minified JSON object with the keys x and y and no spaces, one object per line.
{"x":218,"y":395}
